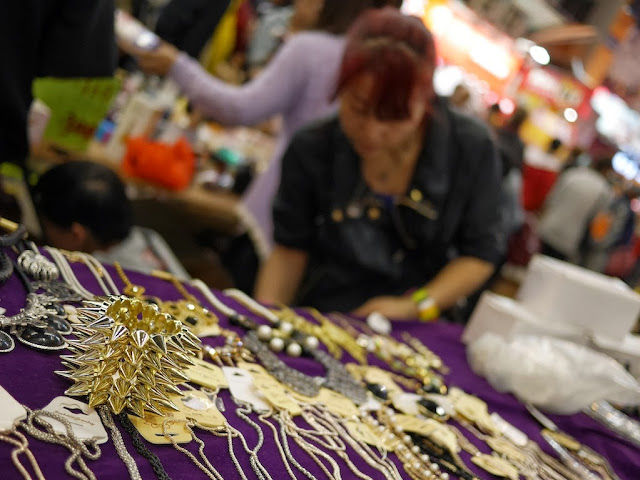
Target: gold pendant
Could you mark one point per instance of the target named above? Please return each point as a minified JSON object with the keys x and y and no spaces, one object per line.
{"x":504,"y":447}
{"x":198,"y":319}
{"x":496,"y":466}
{"x":445,"y":437}
{"x":339,"y":337}
{"x":563,"y":439}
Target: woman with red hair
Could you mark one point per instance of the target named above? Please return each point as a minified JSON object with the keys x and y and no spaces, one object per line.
{"x":397,"y":193}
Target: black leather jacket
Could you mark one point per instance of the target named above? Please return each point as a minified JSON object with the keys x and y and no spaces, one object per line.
{"x":361,"y":244}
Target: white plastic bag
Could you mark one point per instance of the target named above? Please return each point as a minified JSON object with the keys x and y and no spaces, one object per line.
{"x":554,"y":375}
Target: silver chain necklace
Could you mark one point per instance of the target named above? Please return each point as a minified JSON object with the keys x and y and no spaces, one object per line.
{"x":337,"y":377}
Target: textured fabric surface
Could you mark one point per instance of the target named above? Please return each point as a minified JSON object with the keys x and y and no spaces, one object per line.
{"x":28,"y":376}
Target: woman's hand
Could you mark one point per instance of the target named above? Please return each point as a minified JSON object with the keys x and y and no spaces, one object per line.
{"x":396,"y":308}
{"x":157,"y":61}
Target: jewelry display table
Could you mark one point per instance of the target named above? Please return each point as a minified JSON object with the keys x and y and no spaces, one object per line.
{"x":29,"y":377}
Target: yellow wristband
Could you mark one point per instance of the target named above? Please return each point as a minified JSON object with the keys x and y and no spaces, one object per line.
{"x":419,"y":295}
{"x":427,"y":308}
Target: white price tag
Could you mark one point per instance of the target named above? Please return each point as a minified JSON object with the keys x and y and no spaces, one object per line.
{"x":11,"y":411}
{"x":84,"y":420}
{"x":371,"y":405}
{"x":518,"y":437}
{"x":241,"y":387}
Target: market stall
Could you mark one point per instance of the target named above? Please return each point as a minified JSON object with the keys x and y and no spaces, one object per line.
{"x":283,"y":442}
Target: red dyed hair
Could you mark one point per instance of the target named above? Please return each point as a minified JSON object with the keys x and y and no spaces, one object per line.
{"x":400,"y":53}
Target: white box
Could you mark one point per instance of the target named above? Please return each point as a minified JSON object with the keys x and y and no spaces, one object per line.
{"x":505,"y":317}
{"x":563,"y":294}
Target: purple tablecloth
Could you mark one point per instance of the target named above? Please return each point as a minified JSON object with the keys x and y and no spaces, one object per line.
{"x":28,"y":376}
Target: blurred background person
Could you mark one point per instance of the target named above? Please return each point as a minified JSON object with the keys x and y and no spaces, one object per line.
{"x":577,"y":158}
{"x":510,"y":145}
{"x":578,"y":194}
{"x":608,"y":243}
{"x":511,"y":150}
{"x":540,"y":173}
{"x":298,"y":83}
{"x":461,"y":99}
{"x":56,"y":38}
{"x":83,"y":207}
{"x":272,"y":29}
{"x":495,"y":118}
{"x":387,"y":196}
{"x":190,"y":24}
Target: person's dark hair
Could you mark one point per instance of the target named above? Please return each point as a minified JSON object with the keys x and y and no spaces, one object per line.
{"x":494,"y":108}
{"x":86,"y":193}
{"x":337,"y":16}
{"x":602,"y":165}
{"x":554,"y":145}
{"x":398,"y":51}
{"x":517,"y":118}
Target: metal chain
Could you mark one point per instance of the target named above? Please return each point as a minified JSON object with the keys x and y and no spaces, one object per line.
{"x":129,"y":289}
{"x":22,"y":445}
{"x":202,"y":454}
{"x":387,"y":467}
{"x":67,"y":273}
{"x":6,"y":267}
{"x":312,"y":450}
{"x":142,"y":449}
{"x":314,"y":419}
{"x":258,"y":468}
{"x":285,"y":444}
{"x":100,"y":271}
{"x":264,"y":419}
{"x":118,"y":441}
{"x":191,"y":456}
{"x":287,"y":450}
{"x":232,"y":432}
{"x":77,"y":448}
{"x":14,"y":237}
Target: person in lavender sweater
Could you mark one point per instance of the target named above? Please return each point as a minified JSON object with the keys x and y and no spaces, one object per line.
{"x":298,"y":83}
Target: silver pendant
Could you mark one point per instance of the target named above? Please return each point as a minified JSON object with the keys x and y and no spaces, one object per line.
{"x":37,"y":266}
{"x":41,"y":338}
{"x":62,"y":292}
{"x":32,"y":314}
{"x":36,"y":324}
{"x":6,"y":342}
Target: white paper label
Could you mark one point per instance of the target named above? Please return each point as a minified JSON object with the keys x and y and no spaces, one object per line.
{"x":241,"y":387}
{"x":11,"y":411}
{"x":518,"y":437}
{"x":407,"y":403}
{"x":371,"y":405}
{"x":84,"y":420}
{"x":379,"y":323}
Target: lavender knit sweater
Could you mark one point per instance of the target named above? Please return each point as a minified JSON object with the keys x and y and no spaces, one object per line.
{"x":297,"y":83}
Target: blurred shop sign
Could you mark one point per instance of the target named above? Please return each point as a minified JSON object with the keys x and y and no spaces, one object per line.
{"x":558,"y":89}
{"x":77,"y":106}
{"x":465,"y":40}
{"x":617,"y":122}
